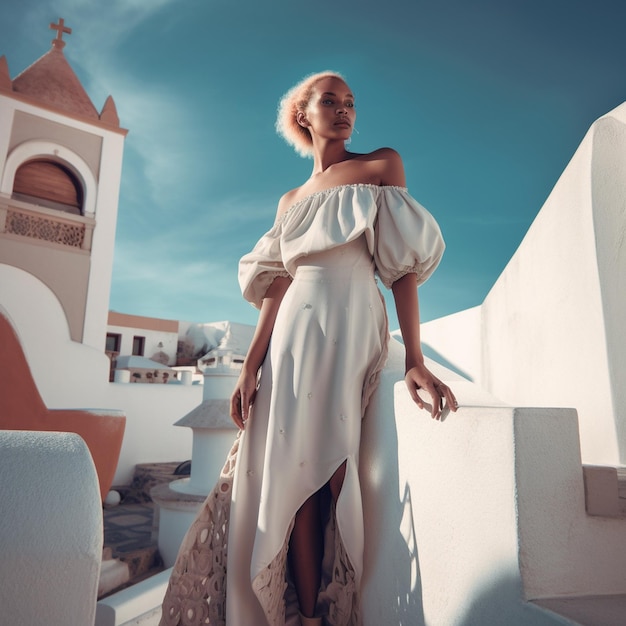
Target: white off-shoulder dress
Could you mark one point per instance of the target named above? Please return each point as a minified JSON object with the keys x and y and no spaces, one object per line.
{"x":327,"y":349}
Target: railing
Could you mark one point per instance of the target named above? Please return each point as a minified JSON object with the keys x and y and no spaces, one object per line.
{"x":22,"y":219}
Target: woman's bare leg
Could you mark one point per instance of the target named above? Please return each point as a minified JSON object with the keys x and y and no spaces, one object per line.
{"x":336,"y":482}
{"x":306,"y":546}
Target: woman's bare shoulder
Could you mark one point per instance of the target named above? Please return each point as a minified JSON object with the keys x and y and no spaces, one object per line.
{"x":286,"y":201}
{"x":385,"y":153}
{"x":388,"y":166}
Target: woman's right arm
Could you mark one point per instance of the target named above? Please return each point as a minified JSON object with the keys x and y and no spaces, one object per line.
{"x":245,"y":389}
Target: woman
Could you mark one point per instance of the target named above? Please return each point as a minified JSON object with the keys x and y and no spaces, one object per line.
{"x":288,"y":500}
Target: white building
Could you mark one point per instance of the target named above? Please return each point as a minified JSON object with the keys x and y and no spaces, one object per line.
{"x":134,"y":335}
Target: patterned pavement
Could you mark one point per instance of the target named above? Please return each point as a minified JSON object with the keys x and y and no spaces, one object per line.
{"x":129,"y":527}
{"x":130,"y":531}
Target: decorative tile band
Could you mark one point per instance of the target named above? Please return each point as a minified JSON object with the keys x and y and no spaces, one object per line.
{"x":44,"y":228}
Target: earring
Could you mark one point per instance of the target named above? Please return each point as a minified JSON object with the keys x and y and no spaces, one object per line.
{"x":348,"y":141}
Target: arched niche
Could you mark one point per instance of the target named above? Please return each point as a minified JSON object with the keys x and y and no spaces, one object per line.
{"x":50,"y":184}
{"x":44,"y":158}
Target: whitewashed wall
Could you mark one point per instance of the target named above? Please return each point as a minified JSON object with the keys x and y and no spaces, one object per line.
{"x":109,"y":177}
{"x":72,"y":375}
{"x":550,"y":331}
{"x":469,"y":518}
{"x":150,"y":435}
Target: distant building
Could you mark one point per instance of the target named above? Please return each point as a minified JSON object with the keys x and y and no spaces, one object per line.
{"x":152,"y":349}
{"x":150,"y":337}
{"x":146,"y":346}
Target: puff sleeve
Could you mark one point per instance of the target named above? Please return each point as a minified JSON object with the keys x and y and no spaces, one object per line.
{"x":260,"y":267}
{"x":407,"y":237}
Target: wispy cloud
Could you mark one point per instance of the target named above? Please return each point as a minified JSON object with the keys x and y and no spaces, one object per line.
{"x":103,"y":25}
{"x":163,"y":258}
{"x":158,"y":117}
{"x":160,"y":138}
{"x":154,"y":279}
{"x":173,"y":275}
{"x":241,"y":214}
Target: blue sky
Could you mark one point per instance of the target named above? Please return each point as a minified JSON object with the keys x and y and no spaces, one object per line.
{"x":486,"y":100}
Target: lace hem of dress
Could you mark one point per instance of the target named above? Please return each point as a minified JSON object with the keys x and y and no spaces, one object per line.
{"x":270,"y":585}
{"x":340,"y":600}
{"x":196,"y":594}
{"x":342,"y":591}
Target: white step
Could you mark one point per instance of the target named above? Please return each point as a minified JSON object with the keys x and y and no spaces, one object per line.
{"x":113,"y":574}
{"x":588,"y":610}
{"x":605,"y":490}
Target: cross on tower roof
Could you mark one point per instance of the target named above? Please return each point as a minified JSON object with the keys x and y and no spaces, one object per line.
{"x":60,"y":28}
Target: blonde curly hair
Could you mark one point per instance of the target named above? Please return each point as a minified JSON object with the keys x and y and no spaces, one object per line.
{"x":297,"y":99}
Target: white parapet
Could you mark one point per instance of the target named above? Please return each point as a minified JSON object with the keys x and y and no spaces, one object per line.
{"x":550,"y":331}
{"x":50,"y":529}
{"x":139,"y":605}
{"x":470,"y":519}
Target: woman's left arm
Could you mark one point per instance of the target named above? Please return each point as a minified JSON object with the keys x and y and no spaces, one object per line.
{"x":417,"y":375}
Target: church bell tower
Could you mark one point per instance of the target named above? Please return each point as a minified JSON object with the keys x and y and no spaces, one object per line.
{"x":60,"y":170}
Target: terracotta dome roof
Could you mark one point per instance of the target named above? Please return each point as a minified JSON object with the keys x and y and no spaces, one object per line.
{"x":51,"y":81}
